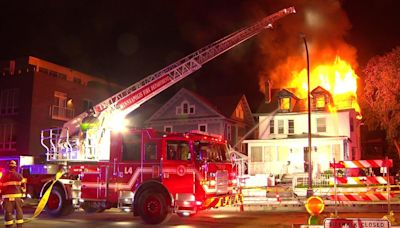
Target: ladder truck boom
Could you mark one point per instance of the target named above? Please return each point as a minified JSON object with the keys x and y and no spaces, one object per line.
{"x":132,"y":97}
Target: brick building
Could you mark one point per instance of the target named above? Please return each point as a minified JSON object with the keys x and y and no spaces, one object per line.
{"x":37,"y":94}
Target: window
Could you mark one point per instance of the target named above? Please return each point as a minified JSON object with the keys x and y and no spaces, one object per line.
{"x":271,"y":126}
{"x":9,"y":101}
{"x":150,"y":152}
{"x":60,"y":110}
{"x":8,"y":139}
{"x":178,"y":150}
{"x":239,"y":113}
{"x":209,"y":151}
{"x":280,"y":127}
{"x":185,"y":108}
{"x":131,"y":145}
{"x":256,"y":154}
{"x":320,"y":102}
{"x":291,"y":126}
{"x":285,"y":103}
{"x":87,"y":104}
{"x":269,"y":154}
{"x":168,"y":128}
{"x":203,"y":127}
{"x":321,"y":124}
{"x":228,"y":131}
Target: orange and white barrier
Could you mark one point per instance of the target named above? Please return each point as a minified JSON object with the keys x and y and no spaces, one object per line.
{"x":361,"y":180}
{"x":361,"y":196}
{"x":362,"y":164}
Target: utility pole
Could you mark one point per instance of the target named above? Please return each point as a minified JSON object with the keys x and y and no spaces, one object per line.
{"x":310,"y":191}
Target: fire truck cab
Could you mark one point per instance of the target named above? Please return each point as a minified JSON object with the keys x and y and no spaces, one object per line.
{"x":152,"y":174}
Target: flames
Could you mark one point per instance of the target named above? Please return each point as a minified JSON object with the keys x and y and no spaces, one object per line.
{"x":338,"y":78}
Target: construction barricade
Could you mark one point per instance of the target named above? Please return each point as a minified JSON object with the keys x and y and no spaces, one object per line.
{"x":362,"y":188}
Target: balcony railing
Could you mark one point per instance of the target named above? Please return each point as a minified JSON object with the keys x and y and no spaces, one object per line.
{"x":61,"y":113}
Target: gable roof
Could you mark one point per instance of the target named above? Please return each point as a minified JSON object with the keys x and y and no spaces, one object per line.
{"x":224,"y":106}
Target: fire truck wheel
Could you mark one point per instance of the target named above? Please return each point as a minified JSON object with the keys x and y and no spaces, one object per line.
{"x":153,"y":207}
{"x":57,"y":205}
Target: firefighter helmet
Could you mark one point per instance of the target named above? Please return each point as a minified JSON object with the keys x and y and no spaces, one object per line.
{"x":12,"y":163}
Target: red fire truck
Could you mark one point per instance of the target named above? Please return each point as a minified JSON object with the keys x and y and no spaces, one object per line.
{"x":151,"y":173}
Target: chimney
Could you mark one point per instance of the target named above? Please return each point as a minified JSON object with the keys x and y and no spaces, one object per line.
{"x":267,"y":91}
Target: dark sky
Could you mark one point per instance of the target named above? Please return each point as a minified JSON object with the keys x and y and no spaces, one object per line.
{"x":124,"y":41}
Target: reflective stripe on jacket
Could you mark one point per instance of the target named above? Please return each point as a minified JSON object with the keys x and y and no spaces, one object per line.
{"x":12,"y":185}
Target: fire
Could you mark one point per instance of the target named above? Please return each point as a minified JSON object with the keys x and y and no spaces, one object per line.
{"x":338,"y":78}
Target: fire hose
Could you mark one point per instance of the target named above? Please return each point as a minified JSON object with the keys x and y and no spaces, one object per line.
{"x":44,"y":199}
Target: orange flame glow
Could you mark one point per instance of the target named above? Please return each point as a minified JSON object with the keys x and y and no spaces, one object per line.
{"x":338,"y":78}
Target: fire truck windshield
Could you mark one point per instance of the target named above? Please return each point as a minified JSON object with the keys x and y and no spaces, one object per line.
{"x":210,"y":152}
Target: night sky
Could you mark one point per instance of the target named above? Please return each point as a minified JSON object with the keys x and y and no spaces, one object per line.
{"x":124,"y":41}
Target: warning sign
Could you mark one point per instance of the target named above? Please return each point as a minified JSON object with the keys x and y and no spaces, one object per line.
{"x":356,"y":223}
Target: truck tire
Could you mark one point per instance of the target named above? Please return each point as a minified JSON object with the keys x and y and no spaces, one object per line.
{"x":57,"y":204}
{"x":153,"y":207}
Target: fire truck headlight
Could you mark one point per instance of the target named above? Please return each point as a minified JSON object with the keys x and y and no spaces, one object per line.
{"x":234,"y":181}
{"x":198,"y":203}
{"x":186,"y":214}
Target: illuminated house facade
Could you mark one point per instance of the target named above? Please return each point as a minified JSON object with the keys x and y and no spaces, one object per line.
{"x":36,"y":94}
{"x":281,"y":147}
{"x":229,"y":117}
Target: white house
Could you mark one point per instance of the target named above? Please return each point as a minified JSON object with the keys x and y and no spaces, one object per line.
{"x":282,"y":144}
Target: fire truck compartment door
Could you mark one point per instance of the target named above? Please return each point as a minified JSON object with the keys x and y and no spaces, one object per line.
{"x":179,"y":177}
{"x":94,"y":184}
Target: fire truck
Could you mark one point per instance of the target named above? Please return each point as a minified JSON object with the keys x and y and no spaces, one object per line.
{"x":141,"y":170}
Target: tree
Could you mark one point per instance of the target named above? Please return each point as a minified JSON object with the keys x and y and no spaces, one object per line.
{"x":380,"y":101}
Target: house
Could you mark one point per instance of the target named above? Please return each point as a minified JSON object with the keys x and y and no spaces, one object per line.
{"x":228,"y":116}
{"x":282,"y":144}
{"x":36,"y":94}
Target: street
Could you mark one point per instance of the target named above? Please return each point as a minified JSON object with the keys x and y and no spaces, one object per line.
{"x":214,"y":218}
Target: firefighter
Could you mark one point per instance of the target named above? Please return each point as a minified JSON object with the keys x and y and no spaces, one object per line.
{"x":90,"y":122}
{"x":13,"y":189}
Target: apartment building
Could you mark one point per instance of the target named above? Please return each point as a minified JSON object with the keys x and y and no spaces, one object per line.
{"x":36,"y":94}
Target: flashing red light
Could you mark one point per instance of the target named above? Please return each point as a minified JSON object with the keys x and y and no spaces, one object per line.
{"x":315,"y":205}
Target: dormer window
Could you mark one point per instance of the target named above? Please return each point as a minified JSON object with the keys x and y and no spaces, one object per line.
{"x":286,"y":100}
{"x":322,"y":99}
{"x":285,"y":104}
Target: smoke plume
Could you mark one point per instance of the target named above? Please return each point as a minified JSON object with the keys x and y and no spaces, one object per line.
{"x":324,"y":24}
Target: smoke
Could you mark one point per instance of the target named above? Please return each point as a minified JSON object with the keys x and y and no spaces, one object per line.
{"x":324,"y":24}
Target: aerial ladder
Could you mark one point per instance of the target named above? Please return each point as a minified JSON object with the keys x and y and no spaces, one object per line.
{"x":64,"y":144}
